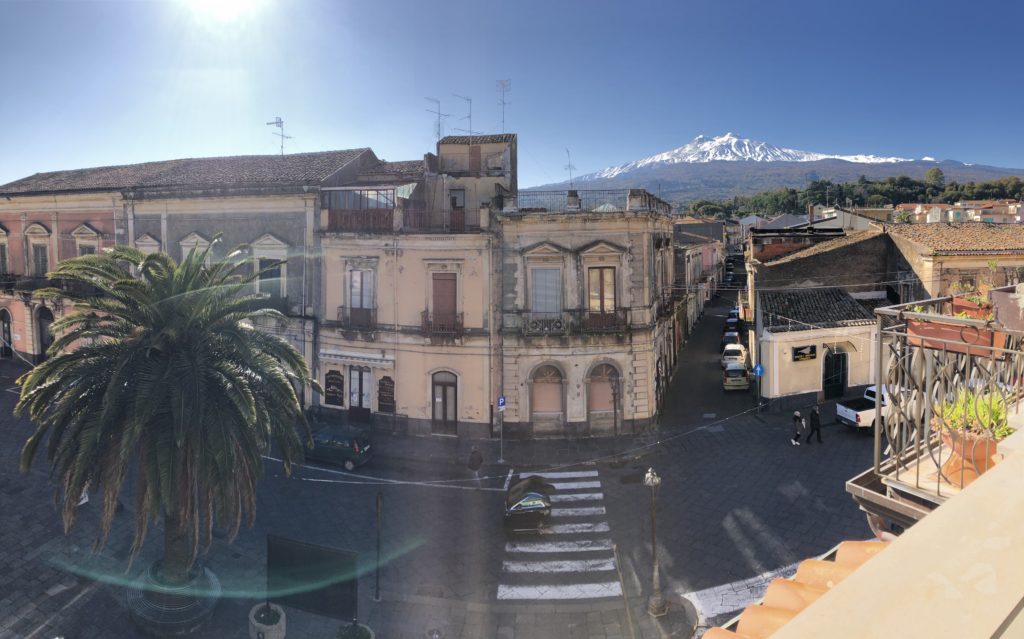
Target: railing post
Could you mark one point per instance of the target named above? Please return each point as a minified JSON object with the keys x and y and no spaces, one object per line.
{"x":879,"y":390}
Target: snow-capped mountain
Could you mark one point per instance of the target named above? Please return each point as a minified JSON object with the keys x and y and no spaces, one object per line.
{"x":732,"y":148}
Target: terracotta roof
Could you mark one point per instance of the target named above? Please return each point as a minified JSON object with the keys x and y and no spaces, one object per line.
{"x":786,"y":598}
{"x":910,"y":206}
{"x":292,"y":169}
{"x":405,"y":169}
{"x":809,"y":308}
{"x":826,"y":246}
{"x":685,"y":238}
{"x":478,"y":139}
{"x":952,"y":238}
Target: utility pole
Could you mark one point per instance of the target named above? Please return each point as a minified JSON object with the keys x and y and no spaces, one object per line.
{"x":656,"y":604}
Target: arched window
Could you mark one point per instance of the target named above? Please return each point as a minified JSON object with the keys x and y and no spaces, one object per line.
{"x":604,"y":379}
{"x":547,"y":390}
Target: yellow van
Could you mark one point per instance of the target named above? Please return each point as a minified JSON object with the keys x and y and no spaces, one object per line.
{"x":735,"y":377}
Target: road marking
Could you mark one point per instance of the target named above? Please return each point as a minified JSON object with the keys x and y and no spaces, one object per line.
{"x":572,"y":474}
{"x":573,"y":529}
{"x":582,"y":545}
{"x":574,"y":485}
{"x":567,"y":591}
{"x":710,"y":415}
{"x":577,"y":497}
{"x":369,"y":480}
{"x":562,"y":565}
{"x":577,"y":512}
{"x":13,"y":389}
{"x":508,"y":479}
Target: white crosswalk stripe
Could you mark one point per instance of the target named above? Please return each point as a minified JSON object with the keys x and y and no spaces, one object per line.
{"x":572,"y":558}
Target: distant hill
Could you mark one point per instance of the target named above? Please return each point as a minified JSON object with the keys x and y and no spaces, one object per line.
{"x":721,"y":167}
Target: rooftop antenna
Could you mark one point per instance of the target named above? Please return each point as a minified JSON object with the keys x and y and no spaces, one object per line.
{"x":569,"y":167}
{"x":469,"y":117}
{"x":437,"y":112}
{"x":504,"y":86}
{"x":279,"y":123}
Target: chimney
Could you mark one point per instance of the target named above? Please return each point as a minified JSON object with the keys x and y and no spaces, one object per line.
{"x":572,"y":200}
{"x":810,"y":213}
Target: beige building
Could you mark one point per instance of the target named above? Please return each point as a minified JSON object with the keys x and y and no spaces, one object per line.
{"x":589,"y":322}
{"x":813,"y":344}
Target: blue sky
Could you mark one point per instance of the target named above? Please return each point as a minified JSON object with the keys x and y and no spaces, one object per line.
{"x":93,"y":83}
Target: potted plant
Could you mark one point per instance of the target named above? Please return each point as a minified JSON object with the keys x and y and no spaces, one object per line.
{"x":971,"y":426}
{"x":974,"y":302}
{"x":267,"y":620}
{"x":355,"y":630}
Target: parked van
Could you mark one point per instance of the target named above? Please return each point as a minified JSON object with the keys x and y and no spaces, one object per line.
{"x":734,"y":354}
{"x":735,"y":377}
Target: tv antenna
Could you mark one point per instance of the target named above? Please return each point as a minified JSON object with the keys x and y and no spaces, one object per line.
{"x":279,"y":123}
{"x":504,"y":86}
{"x":437,"y":112}
{"x":569,"y":167}
{"x":470,"y":131}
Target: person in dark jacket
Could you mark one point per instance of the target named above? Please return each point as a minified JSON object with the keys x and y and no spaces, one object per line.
{"x":815,"y":425}
{"x":798,"y":428}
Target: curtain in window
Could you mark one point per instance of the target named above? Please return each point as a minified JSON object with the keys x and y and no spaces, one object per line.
{"x":547,"y":290}
{"x":361,"y":291}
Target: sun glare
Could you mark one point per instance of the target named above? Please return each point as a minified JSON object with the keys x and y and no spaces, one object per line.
{"x":223,"y":11}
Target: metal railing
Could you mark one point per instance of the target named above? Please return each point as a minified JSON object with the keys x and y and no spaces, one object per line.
{"x":615,"y":321}
{"x":666,"y":304}
{"x":558,"y":201}
{"x":547,"y":323}
{"x":440,"y":221}
{"x":358,"y":319}
{"x":943,"y":375}
{"x":442,"y":326}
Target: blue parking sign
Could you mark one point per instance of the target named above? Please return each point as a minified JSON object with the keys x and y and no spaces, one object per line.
{"x":501,"y":403}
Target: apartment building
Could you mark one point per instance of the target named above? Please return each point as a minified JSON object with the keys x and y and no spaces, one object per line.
{"x":590,"y":326}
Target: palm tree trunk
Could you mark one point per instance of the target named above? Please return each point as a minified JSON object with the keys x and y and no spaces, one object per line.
{"x":177,"y":550}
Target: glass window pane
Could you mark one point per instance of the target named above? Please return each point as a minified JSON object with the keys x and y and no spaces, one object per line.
{"x":270,"y":279}
{"x":367,"y":298}
{"x":608,"y":288}
{"x":594,"y":289}
{"x":547,"y":290}
{"x":450,"y":409}
{"x":356,"y":292}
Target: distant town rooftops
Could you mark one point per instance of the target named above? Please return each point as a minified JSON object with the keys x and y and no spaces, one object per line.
{"x":492,"y":138}
{"x":811,"y":308}
{"x":291,"y":169}
{"x":952,"y":238}
{"x":785,"y":220}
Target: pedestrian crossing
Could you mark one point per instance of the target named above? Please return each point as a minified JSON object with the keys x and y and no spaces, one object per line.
{"x":572,"y":557}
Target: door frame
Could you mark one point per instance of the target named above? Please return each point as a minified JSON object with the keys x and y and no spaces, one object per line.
{"x":360,"y":413}
{"x":840,"y":358}
{"x":443,"y":426}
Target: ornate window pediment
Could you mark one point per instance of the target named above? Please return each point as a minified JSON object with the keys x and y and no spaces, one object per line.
{"x":37,"y":231}
{"x":85,"y":232}
{"x":147,"y":243}
{"x":602,"y":248}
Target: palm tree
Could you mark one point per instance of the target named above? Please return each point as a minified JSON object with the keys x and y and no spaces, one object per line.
{"x":164,"y":371}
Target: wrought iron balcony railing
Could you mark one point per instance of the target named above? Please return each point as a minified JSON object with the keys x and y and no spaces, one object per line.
{"x":440,"y":221}
{"x":615,"y":321}
{"x":546,"y":323}
{"x":952,"y":386}
{"x":442,"y":326}
{"x":360,"y":220}
{"x":358,"y":319}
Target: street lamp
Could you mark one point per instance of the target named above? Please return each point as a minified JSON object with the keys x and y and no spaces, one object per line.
{"x":656,"y":604}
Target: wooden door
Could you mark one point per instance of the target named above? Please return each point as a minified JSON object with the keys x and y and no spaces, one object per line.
{"x":445,"y":288}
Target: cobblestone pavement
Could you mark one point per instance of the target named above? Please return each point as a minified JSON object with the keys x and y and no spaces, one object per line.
{"x":737,"y":501}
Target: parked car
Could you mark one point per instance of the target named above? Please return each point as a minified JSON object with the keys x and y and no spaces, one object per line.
{"x":732,"y":325}
{"x":734,"y":313}
{"x":527,"y":504}
{"x":348,"y":447}
{"x":734,"y":354}
{"x":735,"y":377}
{"x":729,"y":338}
{"x":860,"y":412}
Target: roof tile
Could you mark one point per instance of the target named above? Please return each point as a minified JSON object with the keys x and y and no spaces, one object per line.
{"x":964,"y":237}
{"x":805,"y":309}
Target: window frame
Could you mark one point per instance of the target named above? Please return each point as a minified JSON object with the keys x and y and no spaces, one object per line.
{"x":604,"y":271}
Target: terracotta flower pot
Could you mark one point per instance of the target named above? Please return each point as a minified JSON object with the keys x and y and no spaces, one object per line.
{"x":957,"y":338}
{"x":971,"y":455}
{"x":972,"y":309}
{"x":268,"y":630}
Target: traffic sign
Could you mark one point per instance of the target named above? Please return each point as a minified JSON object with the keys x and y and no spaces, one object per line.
{"x":501,"y":404}
{"x":758,"y":370}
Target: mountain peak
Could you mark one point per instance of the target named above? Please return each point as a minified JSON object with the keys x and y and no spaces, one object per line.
{"x":732,"y":148}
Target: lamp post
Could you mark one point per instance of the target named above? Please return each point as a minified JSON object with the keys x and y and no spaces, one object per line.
{"x":656,"y":604}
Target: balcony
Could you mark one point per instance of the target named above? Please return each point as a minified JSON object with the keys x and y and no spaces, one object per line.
{"x":927,"y":356}
{"x":31,"y":283}
{"x":440,"y":221}
{"x":360,"y":220}
{"x":615,"y":321}
{"x":592,"y":200}
{"x":546,"y":323}
{"x":357,"y":319}
{"x":666,"y":305}
{"x":443,"y":327}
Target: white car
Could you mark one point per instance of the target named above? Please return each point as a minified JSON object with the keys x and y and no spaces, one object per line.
{"x":734,"y":354}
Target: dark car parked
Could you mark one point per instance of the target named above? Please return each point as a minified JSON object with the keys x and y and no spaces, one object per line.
{"x":345,"y":446}
{"x":527,"y":504}
{"x":732,"y":325}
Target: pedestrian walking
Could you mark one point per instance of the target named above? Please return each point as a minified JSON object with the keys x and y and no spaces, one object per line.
{"x":476,"y":460}
{"x":815,"y":418}
{"x":798,"y":428}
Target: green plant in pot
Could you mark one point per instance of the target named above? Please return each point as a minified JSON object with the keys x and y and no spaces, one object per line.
{"x":971,"y":426}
